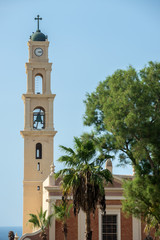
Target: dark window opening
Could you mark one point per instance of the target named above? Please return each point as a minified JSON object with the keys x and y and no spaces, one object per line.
{"x":109,"y":227}
{"x":38,"y":151}
{"x":38,"y":188}
{"x":38,"y":166}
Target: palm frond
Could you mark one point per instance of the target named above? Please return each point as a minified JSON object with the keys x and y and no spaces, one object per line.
{"x":62,"y":172}
{"x":48,"y":222}
{"x":69,"y":209}
{"x":34,"y":220}
{"x":107,"y":175}
{"x":69,"y":160}
{"x":77,"y":143}
{"x":40,"y":220}
{"x":62,"y":211}
{"x":67,"y":150}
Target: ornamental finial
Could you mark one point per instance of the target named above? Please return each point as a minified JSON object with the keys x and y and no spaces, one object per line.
{"x":52,"y":167}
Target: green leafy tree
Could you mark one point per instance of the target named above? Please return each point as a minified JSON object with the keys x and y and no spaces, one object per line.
{"x":125,"y":113}
{"x":62,"y":213}
{"x":143,"y":202}
{"x":41,"y":221}
{"x":84,"y":177}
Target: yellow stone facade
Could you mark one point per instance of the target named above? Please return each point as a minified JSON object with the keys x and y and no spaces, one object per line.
{"x":38,"y":142}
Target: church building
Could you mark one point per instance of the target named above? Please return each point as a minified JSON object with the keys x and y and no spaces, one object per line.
{"x":39,"y":186}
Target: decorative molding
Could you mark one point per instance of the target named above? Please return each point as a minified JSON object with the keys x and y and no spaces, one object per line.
{"x":32,"y":43}
{"x":31,"y":182}
{"x":113,"y":189}
{"x":58,"y":198}
{"x":44,"y":65}
{"x":38,"y":133}
{"x":52,"y":188}
{"x":114,"y":197}
{"x":113,"y":206}
{"x":107,"y":197}
{"x":33,"y":95}
{"x":26,"y":235}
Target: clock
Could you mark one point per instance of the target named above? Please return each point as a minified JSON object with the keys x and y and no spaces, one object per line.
{"x":38,"y":52}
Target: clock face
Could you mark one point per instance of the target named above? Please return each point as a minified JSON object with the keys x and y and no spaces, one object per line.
{"x":38,"y":52}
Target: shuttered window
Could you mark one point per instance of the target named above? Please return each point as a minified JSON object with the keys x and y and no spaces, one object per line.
{"x":109,"y":227}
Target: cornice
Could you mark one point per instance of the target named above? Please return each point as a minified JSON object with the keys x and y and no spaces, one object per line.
{"x":52,"y":188}
{"x":44,"y":65}
{"x":38,"y":43}
{"x":39,"y":133}
{"x":39,"y":96}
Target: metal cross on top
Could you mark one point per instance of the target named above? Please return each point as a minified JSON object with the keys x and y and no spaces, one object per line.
{"x":38,"y":18}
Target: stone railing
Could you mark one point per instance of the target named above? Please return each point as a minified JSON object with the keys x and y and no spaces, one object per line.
{"x":33,"y":236}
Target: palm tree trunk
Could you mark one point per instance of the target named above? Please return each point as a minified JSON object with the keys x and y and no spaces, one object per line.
{"x":88,"y":220}
{"x":65,"y":231}
{"x":43,"y":235}
{"x":88,"y":227}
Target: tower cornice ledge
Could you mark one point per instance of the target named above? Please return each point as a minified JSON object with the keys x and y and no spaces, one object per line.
{"x":40,"y":43}
{"x":49,"y":133}
{"x":32,"y":95}
{"x":32,"y":65}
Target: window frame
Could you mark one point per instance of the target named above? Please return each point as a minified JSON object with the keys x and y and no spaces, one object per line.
{"x":111,"y":210}
{"x":40,"y":150}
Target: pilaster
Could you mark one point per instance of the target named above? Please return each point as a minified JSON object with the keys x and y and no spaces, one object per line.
{"x":50,"y":113}
{"x":27,"y":122}
{"x":48,"y":87}
{"x":136,"y":226}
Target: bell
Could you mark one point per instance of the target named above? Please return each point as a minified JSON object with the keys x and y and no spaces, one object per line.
{"x":38,"y":119}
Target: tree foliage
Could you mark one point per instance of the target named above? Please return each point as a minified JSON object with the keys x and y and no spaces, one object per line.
{"x":85,"y":177}
{"x":62,"y":212}
{"x":42,"y":221}
{"x":125,"y":111}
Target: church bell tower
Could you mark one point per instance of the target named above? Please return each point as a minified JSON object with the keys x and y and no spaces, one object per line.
{"x":38,"y":130}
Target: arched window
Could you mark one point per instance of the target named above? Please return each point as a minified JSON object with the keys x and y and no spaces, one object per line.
{"x":38,"y":84}
{"x":38,"y":151}
{"x":38,"y":118}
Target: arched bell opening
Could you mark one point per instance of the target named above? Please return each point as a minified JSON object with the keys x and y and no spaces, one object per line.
{"x":38,"y":84}
{"x":38,"y":118}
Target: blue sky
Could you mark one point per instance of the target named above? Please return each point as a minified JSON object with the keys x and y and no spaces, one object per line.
{"x":89,"y":40}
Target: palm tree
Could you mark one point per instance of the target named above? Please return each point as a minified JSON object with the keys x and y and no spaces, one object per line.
{"x":85,"y":177}
{"x":62,"y":213}
{"x":41,"y":221}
